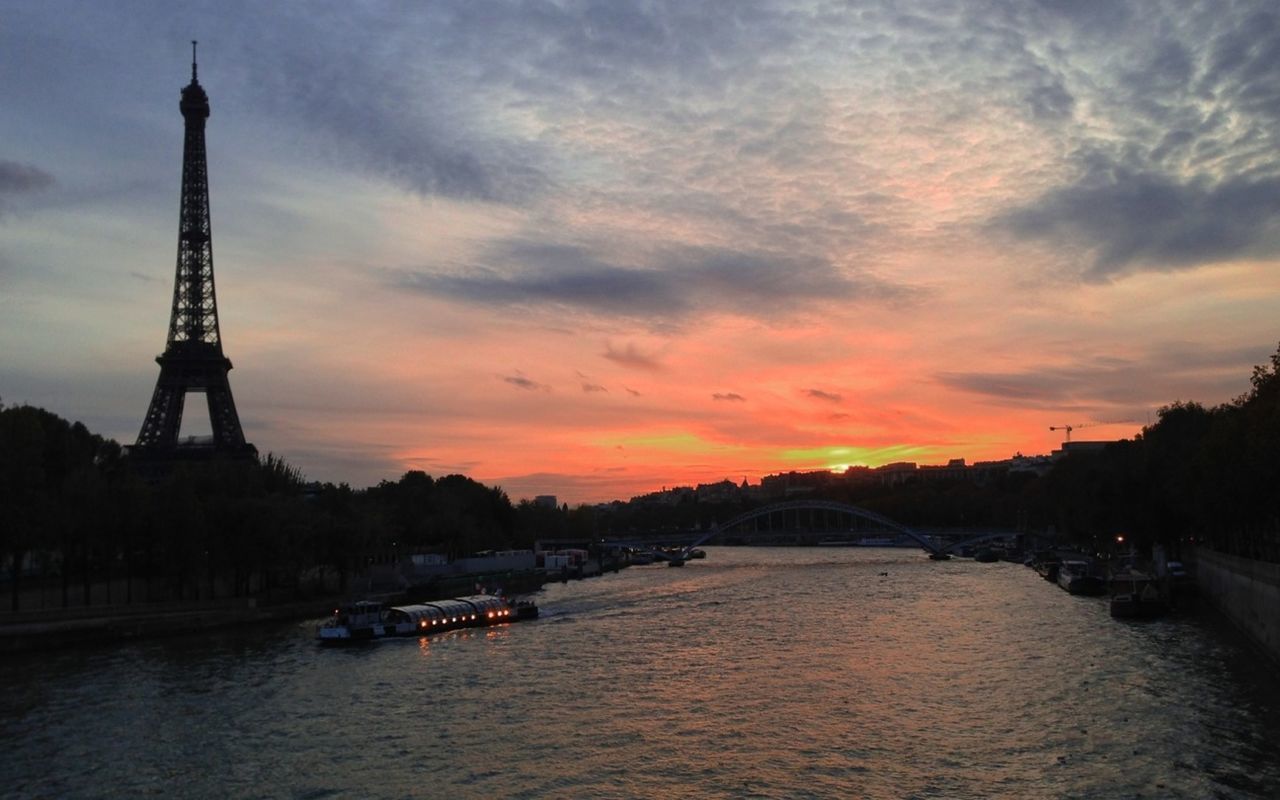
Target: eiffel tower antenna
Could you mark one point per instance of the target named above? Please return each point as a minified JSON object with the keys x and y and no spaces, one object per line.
{"x":193,"y":361}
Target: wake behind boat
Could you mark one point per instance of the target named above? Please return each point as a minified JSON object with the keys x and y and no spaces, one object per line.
{"x":367,"y":619}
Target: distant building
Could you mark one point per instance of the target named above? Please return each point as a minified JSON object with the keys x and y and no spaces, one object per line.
{"x":896,"y":473}
{"x":725,"y":491}
{"x":545,"y":501}
{"x":1069,"y":448}
{"x":859,"y":473}
{"x":789,"y":484}
{"x":1037,"y":465}
{"x":954,"y":470}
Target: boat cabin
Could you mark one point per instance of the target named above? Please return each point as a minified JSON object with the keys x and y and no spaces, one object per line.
{"x":360,"y":614}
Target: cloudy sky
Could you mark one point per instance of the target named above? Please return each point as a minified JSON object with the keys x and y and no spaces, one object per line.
{"x":591,"y":249}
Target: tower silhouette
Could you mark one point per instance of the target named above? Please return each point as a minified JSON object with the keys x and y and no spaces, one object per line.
{"x":192,"y":360}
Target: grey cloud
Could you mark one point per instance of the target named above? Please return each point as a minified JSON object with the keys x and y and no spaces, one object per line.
{"x":354,"y":84}
{"x":1109,"y":386}
{"x":416,"y":127}
{"x":532,"y":272}
{"x":18,"y":178}
{"x":1051,"y":101}
{"x":1149,"y":220}
{"x":456,"y":98}
{"x":672,"y":282}
{"x":1170,"y":67}
{"x":1092,"y":15}
{"x":818,"y":394}
{"x":1045,"y":90}
{"x":1174,"y":144}
{"x":631,"y":391}
{"x":521,"y":382}
{"x":630,"y":356}
{"x":590,"y":388}
{"x":1244,"y":59}
{"x":1014,"y":388}
{"x":1185,"y":173}
{"x":621,"y":46}
{"x":607,"y":290}
{"x":732,"y":397}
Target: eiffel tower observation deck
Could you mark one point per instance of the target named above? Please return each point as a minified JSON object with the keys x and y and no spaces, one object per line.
{"x":193,"y":361}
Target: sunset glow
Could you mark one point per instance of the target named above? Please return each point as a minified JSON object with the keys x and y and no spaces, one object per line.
{"x":594,"y":251}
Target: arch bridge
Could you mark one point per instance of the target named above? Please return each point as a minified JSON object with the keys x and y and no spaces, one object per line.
{"x":800,"y":519}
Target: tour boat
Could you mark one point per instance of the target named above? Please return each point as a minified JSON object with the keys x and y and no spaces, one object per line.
{"x":367,"y":619}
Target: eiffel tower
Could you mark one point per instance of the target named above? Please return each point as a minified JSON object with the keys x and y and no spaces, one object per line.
{"x":192,"y":361}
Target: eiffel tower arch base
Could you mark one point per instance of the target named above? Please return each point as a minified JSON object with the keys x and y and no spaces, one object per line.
{"x":160,"y":444}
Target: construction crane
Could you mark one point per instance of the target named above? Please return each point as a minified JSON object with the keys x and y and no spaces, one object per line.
{"x":1067,"y":428}
{"x":1070,"y":428}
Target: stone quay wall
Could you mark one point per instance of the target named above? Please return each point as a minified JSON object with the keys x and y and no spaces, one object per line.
{"x":1246,"y":591}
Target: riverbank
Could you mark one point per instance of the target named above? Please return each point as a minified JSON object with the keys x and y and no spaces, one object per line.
{"x":1246,"y":591}
{"x":79,"y":627}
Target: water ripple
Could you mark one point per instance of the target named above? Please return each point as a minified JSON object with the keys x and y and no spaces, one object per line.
{"x":755,"y":673}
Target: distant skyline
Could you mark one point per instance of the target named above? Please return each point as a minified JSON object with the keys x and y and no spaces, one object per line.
{"x":592,"y":249}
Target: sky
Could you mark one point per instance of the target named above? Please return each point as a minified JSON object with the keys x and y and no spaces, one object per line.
{"x":592,"y":249}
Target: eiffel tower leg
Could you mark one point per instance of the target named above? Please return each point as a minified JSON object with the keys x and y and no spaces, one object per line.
{"x":222,"y":414}
{"x":164,"y":415}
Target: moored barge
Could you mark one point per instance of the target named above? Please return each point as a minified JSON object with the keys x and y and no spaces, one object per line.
{"x":366,"y":619}
{"x":1077,"y":577}
{"x":1136,"y":596}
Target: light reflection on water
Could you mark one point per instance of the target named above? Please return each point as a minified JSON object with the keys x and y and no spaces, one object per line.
{"x":754,"y":673}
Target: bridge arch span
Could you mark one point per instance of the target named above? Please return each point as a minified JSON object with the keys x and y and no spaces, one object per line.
{"x":819,"y":505}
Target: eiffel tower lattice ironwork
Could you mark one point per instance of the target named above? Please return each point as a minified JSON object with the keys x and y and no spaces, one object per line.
{"x":193,"y":360}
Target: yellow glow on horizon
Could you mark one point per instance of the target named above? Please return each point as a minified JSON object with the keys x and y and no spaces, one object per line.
{"x":838,"y":459}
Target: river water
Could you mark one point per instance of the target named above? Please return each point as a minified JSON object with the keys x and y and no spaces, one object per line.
{"x":758,"y":672}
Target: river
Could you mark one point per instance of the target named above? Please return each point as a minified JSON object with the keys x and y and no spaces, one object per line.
{"x":758,"y":672}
